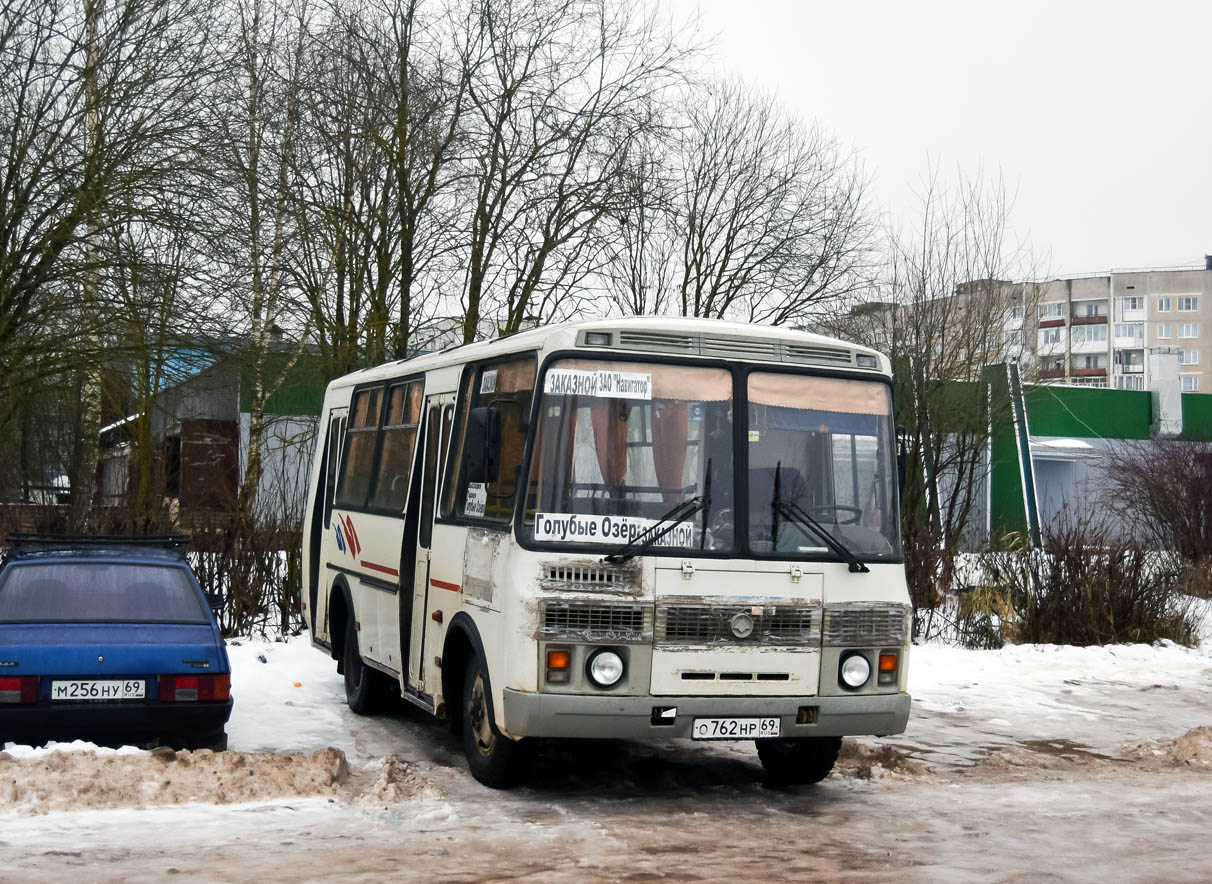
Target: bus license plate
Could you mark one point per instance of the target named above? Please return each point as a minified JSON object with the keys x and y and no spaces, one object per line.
{"x":734,"y":728}
{"x":99,"y":689}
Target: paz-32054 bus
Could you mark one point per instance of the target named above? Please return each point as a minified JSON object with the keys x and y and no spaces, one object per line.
{"x":632,"y":528}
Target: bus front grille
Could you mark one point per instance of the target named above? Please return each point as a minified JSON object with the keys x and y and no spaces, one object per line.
{"x":683,"y":624}
{"x":859,"y":625}
{"x":596,"y":621}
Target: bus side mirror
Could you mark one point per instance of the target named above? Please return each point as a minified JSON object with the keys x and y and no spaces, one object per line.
{"x":482,"y":452}
{"x":902,"y":453}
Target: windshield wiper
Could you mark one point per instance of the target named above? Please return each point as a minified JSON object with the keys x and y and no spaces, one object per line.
{"x":666,"y":523}
{"x":792,"y":511}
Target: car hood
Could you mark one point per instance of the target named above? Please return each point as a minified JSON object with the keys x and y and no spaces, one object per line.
{"x":100,"y":649}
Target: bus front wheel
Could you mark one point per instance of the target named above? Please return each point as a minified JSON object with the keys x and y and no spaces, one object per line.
{"x":790,"y":762}
{"x":494,"y":759}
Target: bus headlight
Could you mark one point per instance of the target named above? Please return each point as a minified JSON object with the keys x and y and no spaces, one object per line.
{"x":854,"y":671}
{"x":605,"y":668}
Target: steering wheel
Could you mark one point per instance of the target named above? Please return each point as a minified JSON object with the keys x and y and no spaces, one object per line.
{"x":833,"y":509}
{"x":722,"y":520}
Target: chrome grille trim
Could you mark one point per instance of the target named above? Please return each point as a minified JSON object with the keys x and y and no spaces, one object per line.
{"x":697,"y":624}
{"x":866,"y":625}
{"x":595,"y":621}
{"x":589,"y":577}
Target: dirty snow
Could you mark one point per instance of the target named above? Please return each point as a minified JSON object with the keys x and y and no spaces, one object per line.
{"x":1023,"y":764}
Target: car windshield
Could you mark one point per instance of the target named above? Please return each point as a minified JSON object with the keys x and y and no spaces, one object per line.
{"x":621,"y":444}
{"x":822,"y":446}
{"x":75,"y":592}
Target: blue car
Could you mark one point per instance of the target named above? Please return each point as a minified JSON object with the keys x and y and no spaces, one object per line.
{"x":110,"y":640}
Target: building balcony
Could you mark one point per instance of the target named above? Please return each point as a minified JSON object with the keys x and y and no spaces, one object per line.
{"x":1129,"y":369}
{"x":1088,"y":320}
{"x":1089,"y":373}
{"x":1051,"y":373}
{"x":1051,"y":323}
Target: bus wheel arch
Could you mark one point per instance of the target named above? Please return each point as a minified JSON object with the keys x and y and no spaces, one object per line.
{"x":340,"y":609}
{"x":461,"y":646}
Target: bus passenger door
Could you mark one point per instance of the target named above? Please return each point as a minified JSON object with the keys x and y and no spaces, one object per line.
{"x":438,"y":420}
{"x":321,"y":518}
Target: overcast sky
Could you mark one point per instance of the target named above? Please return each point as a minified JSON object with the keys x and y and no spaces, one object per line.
{"x":1097,"y":114}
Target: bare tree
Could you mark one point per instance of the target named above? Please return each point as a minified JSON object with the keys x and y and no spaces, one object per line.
{"x":754,"y":214}
{"x":99,"y":116}
{"x":949,"y":308}
{"x":560,"y":92}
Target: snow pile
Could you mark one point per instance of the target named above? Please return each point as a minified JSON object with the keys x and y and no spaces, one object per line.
{"x":397,"y":780}
{"x":35,"y":782}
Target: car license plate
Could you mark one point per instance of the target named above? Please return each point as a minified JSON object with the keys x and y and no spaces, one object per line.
{"x":99,"y":689}
{"x":734,"y":728}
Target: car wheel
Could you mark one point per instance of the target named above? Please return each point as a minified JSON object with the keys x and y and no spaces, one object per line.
{"x":363,"y":687}
{"x":494,"y":759}
{"x":789,"y":762}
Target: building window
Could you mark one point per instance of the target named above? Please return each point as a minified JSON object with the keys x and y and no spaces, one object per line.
{"x":1129,"y":329}
{"x":1051,"y":311}
{"x":1134,"y":303}
{"x":1163,"y":305}
{"x":1188,"y":357}
{"x":1190,"y":385}
{"x":1129,"y":382}
{"x":1016,"y":312}
{"x":1050,"y":335}
{"x":1089,"y":333}
{"x":1188,"y":304}
{"x":1188,"y":330}
{"x":1163,"y":330}
{"x":1092,"y":361}
{"x":1094,"y":308}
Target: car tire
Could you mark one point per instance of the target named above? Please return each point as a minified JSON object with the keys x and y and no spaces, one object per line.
{"x":494,"y":759}
{"x":794,"y":762}
{"x":363,"y":685}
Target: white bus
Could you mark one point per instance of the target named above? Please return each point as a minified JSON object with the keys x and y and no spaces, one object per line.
{"x":632,"y":528}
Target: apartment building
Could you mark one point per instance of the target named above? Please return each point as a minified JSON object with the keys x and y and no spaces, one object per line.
{"x":1097,"y":330}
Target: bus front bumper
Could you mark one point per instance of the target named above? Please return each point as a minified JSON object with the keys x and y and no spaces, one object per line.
{"x":603,"y":716}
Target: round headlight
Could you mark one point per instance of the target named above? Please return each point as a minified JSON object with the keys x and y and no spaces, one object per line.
{"x":856,"y":669}
{"x":605,"y":668}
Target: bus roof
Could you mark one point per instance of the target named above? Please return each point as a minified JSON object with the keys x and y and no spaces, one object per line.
{"x":652,"y":335}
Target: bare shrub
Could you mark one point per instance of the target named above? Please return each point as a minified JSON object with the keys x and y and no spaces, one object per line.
{"x":256,"y":569}
{"x":1163,"y":492}
{"x":1088,"y":585}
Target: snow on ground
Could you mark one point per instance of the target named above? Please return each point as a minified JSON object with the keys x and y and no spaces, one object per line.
{"x":1020,"y":764}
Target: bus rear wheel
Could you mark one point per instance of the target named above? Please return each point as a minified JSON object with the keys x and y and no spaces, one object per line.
{"x":363,"y":685}
{"x":793,"y":762}
{"x":495,"y":760}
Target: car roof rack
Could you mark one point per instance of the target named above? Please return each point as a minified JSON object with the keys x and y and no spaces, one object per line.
{"x":32,"y":542}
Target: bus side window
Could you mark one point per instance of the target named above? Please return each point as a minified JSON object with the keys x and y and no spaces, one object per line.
{"x":433,"y":431}
{"x":394,"y":467}
{"x":508,"y":388}
{"x":360,"y":442}
{"x":336,"y":435}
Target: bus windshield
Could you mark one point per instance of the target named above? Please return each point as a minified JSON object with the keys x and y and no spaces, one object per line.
{"x":621,"y":444}
{"x":820,"y":447}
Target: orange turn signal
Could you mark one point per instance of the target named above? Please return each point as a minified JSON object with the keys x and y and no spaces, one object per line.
{"x":558,"y":659}
{"x":888,"y":662}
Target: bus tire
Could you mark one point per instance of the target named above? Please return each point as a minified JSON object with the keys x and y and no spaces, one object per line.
{"x":794,"y":762}
{"x":495,"y":760}
{"x":362,"y":687}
